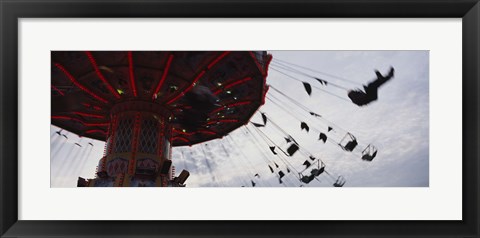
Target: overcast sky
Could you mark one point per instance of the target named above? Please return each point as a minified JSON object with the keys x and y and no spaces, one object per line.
{"x":397,"y":124}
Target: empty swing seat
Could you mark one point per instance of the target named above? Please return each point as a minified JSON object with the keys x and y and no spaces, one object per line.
{"x":369,"y":153}
{"x":292,"y":149}
{"x":307,"y":179}
{"x":316,"y":172}
{"x":340,"y":182}
{"x":369,"y":157}
{"x":351,"y":145}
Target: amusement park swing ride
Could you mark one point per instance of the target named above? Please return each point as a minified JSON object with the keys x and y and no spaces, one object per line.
{"x":143,"y":103}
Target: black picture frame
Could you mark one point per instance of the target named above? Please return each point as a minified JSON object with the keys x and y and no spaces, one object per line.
{"x":11,"y":11}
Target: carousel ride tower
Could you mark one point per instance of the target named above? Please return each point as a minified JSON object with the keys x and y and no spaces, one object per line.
{"x":142,"y":103}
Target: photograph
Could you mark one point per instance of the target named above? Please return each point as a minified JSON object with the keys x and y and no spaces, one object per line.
{"x":226,"y":118}
{"x":239,"y":118}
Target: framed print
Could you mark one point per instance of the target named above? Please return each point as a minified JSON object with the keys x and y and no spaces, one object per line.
{"x":280,"y":118}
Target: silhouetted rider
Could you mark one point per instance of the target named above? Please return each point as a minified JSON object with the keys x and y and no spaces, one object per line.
{"x":371,"y":90}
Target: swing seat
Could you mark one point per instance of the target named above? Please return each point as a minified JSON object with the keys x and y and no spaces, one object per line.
{"x":292,"y":149}
{"x":183,"y":177}
{"x":307,"y":179}
{"x":368,"y":157}
{"x":369,"y":153}
{"x":317,"y":172}
{"x":351,"y":145}
{"x":340,"y":182}
{"x":337,"y":185}
{"x":81,"y":182}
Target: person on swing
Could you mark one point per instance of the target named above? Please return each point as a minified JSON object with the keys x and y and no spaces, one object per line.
{"x":361,"y":98}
